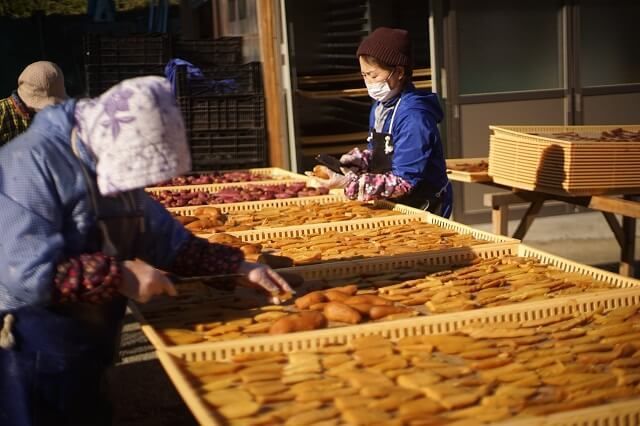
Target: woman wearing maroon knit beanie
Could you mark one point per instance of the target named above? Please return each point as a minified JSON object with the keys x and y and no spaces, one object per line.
{"x":404,"y":161}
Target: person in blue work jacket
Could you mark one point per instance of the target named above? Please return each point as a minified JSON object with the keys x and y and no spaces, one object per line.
{"x":404,"y":161}
{"x":80,"y":236}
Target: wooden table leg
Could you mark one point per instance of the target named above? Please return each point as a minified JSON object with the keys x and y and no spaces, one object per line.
{"x":615,"y":228}
{"x":527,"y":219}
{"x":628,"y":248}
{"x":500,"y":219}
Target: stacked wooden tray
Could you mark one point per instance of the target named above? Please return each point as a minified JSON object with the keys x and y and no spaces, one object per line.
{"x":576,"y":404}
{"x":536,"y":158}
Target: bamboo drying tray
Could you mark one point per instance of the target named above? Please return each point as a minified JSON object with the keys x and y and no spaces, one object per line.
{"x":405,"y":216}
{"x":272,"y":175}
{"x":249,"y":206}
{"x":215,"y":187}
{"x":425,"y":262}
{"x":618,"y":413}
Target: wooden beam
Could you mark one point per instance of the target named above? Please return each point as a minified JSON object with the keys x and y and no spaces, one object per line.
{"x":271,"y":74}
{"x":615,"y":227}
{"x":616,"y":205}
{"x":497,"y":199}
{"x":354,"y":76}
{"x":337,"y":138}
{"x":601,"y":203}
{"x":349,"y":93}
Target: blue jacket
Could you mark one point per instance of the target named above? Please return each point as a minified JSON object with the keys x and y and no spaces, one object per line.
{"x":46,"y":215}
{"x":417,"y":148}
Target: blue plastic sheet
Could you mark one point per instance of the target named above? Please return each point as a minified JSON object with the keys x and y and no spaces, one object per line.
{"x":195,"y":75}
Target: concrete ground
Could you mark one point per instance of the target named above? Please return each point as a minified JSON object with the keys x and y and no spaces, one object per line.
{"x":144,"y":396}
{"x":582,"y":237}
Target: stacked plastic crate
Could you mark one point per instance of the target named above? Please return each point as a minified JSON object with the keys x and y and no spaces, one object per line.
{"x":224,"y":115}
{"x":111,"y":59}
{"x":224,"y":111}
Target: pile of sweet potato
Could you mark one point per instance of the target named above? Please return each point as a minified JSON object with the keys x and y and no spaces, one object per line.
{"x":216,"y":177}
{"x":339,"y":304}
{"x":236,"y":194}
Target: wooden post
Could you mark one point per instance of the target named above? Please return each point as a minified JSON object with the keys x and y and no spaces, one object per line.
{"x":500,"y":219}
{"x":189,"y":25}
{"x":216,"y":28}
{"x":628,"y":252}
{"x":627,"y":258}
{"x":268,"y":19}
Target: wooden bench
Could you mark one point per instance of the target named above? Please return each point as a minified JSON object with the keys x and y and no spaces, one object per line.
{"x":609,"y":206}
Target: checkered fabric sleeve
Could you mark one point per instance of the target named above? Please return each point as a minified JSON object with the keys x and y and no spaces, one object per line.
{"x":12,"y":121}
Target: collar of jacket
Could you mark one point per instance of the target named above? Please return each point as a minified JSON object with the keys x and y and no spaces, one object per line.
{"x":57,"y":121}
{"x":21,"y":107}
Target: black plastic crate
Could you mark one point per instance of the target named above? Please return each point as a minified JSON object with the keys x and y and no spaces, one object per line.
{"x":222,"y":112}
{"x":224,"y":79}
{"x":219,"y":149}
{"x":141,"y":49}
{"x":100,"y":78}
{"x":225,"y":50}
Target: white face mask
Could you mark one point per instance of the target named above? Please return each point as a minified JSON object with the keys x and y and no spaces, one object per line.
{"x":380,"y":91}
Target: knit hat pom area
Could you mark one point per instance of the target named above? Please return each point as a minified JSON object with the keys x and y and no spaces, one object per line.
{"x":391,"y":46}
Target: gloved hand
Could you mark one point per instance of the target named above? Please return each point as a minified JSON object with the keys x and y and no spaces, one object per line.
{"x":141,"y":281}
{"x":353,"y":160}
{"x":335,"y":180}
{"x":263,"y":277}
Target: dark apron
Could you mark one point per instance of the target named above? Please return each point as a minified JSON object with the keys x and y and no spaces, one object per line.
{"x":55,"y":373}
{"x":422,"y":196}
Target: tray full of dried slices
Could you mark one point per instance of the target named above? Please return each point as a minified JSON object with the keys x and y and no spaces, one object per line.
{"x":563,"y":362}
{"x":355,"y":293}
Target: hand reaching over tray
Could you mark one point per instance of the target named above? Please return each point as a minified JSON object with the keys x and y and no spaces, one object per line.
{"x":322,"y":176}
{"x":262,"y":276}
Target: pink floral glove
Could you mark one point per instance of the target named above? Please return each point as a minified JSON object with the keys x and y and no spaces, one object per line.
{"x":355,"y":160}
{"x":336,"y":180}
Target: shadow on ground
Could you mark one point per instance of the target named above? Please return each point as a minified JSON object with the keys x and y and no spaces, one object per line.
{"x":142,"y":393}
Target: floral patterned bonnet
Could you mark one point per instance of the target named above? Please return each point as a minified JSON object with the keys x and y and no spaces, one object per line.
{"x":136,"y":134}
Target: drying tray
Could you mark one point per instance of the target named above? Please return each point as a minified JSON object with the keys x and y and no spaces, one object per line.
{"x":406,"y":215}
{"x":249,"y":206}
{"x":426,"y":261}
{"x":618,"y":413}
{"x":462,"y":176}
{"x":272,"y":175}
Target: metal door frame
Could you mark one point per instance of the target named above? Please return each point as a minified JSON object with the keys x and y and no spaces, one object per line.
{"x":453,"y":100}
